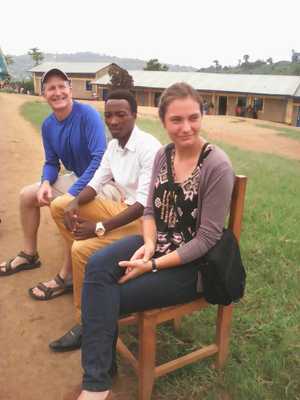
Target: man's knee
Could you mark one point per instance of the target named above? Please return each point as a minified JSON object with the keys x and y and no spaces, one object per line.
{"x":59,"y":204}
{"x":105,"y":262}
{"x":80,"y":251}
{"x":28,"y":195}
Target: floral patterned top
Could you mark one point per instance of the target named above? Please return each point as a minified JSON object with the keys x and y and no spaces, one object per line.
{"x":176,"y":208}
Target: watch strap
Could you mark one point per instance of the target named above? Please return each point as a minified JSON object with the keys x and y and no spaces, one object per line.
{"x":154,"y":265}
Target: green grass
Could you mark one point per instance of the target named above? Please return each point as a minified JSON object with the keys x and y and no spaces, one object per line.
{"x":35,"y":112}
{"x":264,"y":361}
{"x":292,"y":133}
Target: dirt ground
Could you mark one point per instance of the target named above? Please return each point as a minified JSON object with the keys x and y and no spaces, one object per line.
{"x":28,"y":370}
{"x":243,"y":133}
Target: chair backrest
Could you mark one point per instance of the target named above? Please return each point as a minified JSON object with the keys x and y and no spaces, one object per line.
{"x":237,"y":205}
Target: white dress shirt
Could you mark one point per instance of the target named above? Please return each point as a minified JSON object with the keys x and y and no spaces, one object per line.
{"x":130,"y":167}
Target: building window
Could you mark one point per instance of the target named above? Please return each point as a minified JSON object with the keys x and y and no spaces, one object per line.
{"x":142,"y":99}
{"x":88,"y":86}
{"x":258,"y":103}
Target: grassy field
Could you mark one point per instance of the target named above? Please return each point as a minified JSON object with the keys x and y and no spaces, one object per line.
{"x":292,"y":133}
{"x":264,"y":362}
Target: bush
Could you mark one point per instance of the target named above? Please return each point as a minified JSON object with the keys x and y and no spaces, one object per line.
{"x":28,"y":85}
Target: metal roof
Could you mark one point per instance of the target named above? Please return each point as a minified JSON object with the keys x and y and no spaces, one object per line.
{"x":297,"y":93}
{"x":71,"y":67}
{"x":280,"y":85}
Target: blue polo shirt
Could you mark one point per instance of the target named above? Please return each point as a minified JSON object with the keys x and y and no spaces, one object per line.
{"x":78,"y":142}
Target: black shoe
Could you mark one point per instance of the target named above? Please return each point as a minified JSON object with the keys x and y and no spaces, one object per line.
{"x":68,"y":342}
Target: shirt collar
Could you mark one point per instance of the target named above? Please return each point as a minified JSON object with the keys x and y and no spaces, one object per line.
{"x":131,"y":144}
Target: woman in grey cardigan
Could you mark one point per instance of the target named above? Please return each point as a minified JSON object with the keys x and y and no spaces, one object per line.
{"x":188,"y":201}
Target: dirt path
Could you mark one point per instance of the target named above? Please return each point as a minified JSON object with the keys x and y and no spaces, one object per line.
{"x":28,"y":370}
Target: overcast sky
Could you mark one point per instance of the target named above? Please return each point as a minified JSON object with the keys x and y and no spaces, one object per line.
{"x":186,"y":32}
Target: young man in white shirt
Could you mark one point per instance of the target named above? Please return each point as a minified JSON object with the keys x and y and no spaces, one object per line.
{"x":89,"y":223}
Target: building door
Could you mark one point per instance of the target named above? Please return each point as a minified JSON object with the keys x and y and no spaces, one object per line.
{"x":156,"y":98}
{"x":222,"y":105}
{"x":298,"y":118}
{"x":104,"y":94}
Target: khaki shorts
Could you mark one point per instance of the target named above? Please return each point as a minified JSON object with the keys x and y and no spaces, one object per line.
{"x":62,"y":184}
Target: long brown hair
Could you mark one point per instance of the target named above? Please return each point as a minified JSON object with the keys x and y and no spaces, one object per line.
{"x":180,"y":90}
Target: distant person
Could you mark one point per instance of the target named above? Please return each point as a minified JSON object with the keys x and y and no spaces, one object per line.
{"x":73,"y":135}
{"x":205,"y":107}
{"x":88,"y":223}
{"x":249,"y":111}
{"x":255,"y":115}
{"x":211,"y":108}
{"x":238,"y":110}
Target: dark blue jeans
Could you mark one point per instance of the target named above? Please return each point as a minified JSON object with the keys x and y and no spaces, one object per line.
{"x":104,"y":300}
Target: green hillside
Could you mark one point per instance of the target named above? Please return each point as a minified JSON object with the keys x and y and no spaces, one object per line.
{"x":257,"y":67}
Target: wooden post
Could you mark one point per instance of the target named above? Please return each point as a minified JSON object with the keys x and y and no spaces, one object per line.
{"x":289,"y":112}
{"x":147,"y":355}
{"x":177,"y":323}
{"x":223,"y":333}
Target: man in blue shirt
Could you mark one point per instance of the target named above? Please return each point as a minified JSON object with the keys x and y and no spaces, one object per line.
{"x":73,"y":135}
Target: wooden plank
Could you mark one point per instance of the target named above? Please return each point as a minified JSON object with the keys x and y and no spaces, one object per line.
{"x":185,"y":360}
{"x":237,"y":205}
{"x":147,"y":356}
{"x":130,"y":320}
{"x":169,"y":313}
{"x":223,"y":333}
{"x":177,"y":323}
{"x":126,"y":353}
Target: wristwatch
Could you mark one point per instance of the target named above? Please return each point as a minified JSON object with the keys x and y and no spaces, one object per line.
{"x":154,"y":265}
{"x":100,"y":229}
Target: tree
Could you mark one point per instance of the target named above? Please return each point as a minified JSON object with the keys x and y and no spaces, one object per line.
{"x":246,"y":58}
{"x":218,"y":67}
{"x":36,"y":55}
{"x":9,"y":60}
{"x":216,"y":62}
{"x":120,"y":79}
{"x":155,"y":65}
{"x":295,"y":70}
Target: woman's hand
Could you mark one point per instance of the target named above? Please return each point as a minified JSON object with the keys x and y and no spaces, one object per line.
{"x":70,"y":214}
{"x":145,"y":252}
{"x":134,"y":268}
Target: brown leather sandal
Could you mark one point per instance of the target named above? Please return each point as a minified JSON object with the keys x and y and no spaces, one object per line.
{"x":31,"y":263}
{"x":62,"y":287}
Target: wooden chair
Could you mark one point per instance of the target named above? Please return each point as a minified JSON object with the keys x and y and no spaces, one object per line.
{"x":148,"y":320}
